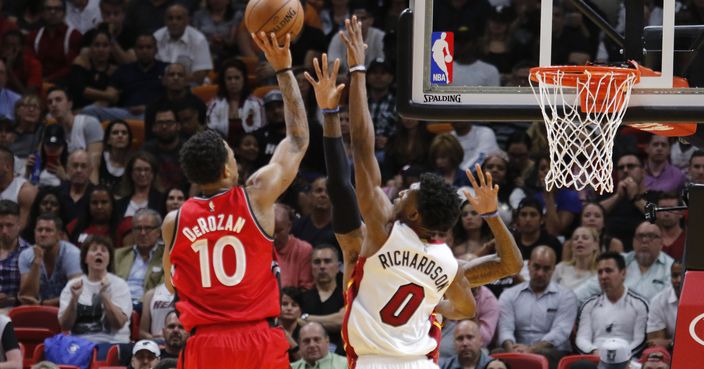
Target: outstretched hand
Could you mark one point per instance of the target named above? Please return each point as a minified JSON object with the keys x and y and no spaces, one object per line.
{"x":354,"y":41}
{"x":486,"y":199}
{"x":326,"y":92}
{"x":278,"y":56}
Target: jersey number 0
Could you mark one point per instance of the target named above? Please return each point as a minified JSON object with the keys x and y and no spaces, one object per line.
{"x":200,"y":247}
{"x":402,"y":305}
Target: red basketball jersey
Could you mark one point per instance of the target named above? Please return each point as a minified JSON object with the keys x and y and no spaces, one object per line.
{"x":222,"y":262}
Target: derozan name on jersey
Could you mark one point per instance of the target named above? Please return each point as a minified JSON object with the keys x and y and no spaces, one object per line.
{"x":456,"y":98}
{"x":213,"y":223}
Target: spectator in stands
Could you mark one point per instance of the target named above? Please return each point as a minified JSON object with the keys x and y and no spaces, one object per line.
{"x":624,"y":208}
{"x":16,"y":189}
{"x":157,"y":304}
{"x":662,"y":315}
{"x":670,"y":223}
{"x":28,"y":126}
{"x":616,"y":312}
{"x":468,"y":345}
{"x":274,"y":131}
{"x":11,"y":245}
{"x":145,"y":355}
{"x":290,"y":319}
{"x":97,"y":305}
{"x":695,"y":173}
{"x":8,"y":98}
{"x":470,"y":233}
{"x":373,"y":38}
{"x":218,"y":21}
{"x":174,"y":336}
{"x":178,"y":42}
{"x":324,"y":304}
{"x":191,"y":117}
{"x":593,"y":216}
{"x":655,"y":358}
{"x":445,"y":156}
{"x":138,"y":188}
{"x":83,"y":15}
{"x":52,"y":160}
{"x":7,"y":138}
{"x":681,"y":153}
{"x":293,"y":254}
{"x":55,"y":44}
{"x":468,"y":69}
{"x":313,"y":342}
{"x":469,"y":14}
{"x":382,"y":102}
{"x":497,"y":364}
{"x":614,"y":353}
{"x":91,"y":71}
{"x":246,"y":149}
{"x":140,"y":264}
{"x":29,"y":16}
{"x":83,"y":132}
{"x":122,"y":38}
{"x":47,"y":201}
{"x":562,"y":205}
{"x":510,"y":195}
{"x":487,"y":318}
{"x":660,"y":175}
{"x":408,"y":146}
{"x":24,"y":71}
{"x":496,"y":43}
{"x":98,"y":218}
{"x":116,"y":147}
{"x":175,"y":197}
{"x":518,"y":147}
{"x":235,"y":111}
{"x":530,"y":232}
{"x":477,"y":142}
{"x":166,"y":145}
{"x":147,"y":16}
{"x":316,"y":228}
{"x":46,"y":267}
{"x":538,"y":316}
{"x":73,"y":192}
{"x":10,"y":354}
{"x":582,"y":266}
{"x":45,"y":365}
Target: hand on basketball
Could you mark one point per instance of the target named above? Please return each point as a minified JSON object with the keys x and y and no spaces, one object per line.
{"x":354,"y":41}
{"x":326,"y":92}
{"x":278,"y":56}
{"x":486,"y":199}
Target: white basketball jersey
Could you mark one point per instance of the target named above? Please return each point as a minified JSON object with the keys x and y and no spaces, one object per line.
{"x":400,"y":287}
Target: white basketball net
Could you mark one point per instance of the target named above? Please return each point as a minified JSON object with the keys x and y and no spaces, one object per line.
{"x":581,"y":136}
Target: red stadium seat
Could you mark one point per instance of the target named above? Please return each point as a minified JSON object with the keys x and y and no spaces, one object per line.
{"x":32,"y":338}
{"x":33,"y":316}
{"x":134,"y":326}
{"x":112,"y":358}
{"x":566,"y":361}
{"x":523,"y":361}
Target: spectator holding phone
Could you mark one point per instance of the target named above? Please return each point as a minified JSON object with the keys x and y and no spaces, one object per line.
{"x":48,"y":168}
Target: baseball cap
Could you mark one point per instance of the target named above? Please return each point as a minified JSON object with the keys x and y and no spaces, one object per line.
{"x":54,"y":134}
{"x":381,"y":63}
{"x":273,"y":95}
{"x":614,"y":353}
{"x":656,"y":354}
{"x":148,"y":345}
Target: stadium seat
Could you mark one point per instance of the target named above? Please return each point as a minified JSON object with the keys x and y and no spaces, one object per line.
{"x":262,"y":90}
{"x":205,"y":92}
{"x":112,"y":358}
{"x":32,"y":338}
{"x":566,"y":361}
{"x":437,"y":128}
{"x":134,"y":326}
{"x":523,"y":361}
{"x":33,"y":316}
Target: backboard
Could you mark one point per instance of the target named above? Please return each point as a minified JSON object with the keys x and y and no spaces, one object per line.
{"x":434,"y":83}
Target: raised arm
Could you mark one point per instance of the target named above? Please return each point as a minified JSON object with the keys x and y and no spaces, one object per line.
{"x":507,"y":260}
{"x":374,"y":205}
{"x":269,"y":182}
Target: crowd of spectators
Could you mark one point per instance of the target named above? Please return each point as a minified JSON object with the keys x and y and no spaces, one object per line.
{"x":98,"y":96}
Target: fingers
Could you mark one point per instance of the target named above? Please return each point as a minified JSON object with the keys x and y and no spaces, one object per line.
{"x":480,"y":175}
{"x":316,"y":66}
{"x":325,"y":64}
{"x":471,"y":179}
{"x":340,"y":88}
{"x":335,"y":68}
{"x":287,"y":41}
{"x":310,"y":79}
{"x":345,"y":40}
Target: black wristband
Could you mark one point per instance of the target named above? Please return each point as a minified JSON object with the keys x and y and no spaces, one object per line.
{"x":284,"y":70}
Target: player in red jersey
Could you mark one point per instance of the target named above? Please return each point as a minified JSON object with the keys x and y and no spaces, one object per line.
{"x":219,"y":244}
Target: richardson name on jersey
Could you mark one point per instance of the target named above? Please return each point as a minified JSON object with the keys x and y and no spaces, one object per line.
{"x":423,"y":264}
{"x":212,"y":223}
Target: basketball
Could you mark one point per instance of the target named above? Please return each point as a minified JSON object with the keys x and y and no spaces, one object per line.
{"x":448,"y":58}
{"x":278,"y":16}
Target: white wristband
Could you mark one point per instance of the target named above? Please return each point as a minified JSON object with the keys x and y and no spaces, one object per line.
{"x":358,"y":68}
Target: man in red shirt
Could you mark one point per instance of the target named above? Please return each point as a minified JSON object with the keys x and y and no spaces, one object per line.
{"x":220,"y":243}
{"x":55,"y":44}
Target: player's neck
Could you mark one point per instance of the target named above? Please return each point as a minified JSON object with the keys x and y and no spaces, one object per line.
{"x":214,"y":188}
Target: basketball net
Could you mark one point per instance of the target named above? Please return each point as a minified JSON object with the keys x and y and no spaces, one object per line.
{"x":583,"y":107}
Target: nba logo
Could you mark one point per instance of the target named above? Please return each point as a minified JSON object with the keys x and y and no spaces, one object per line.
{"x":441,"y":53}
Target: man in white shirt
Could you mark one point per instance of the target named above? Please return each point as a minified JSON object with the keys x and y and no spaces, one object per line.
{"x":663,"y":311}
{"x":373,"y":37}
{"x":178,"y":42}
{"x":616,"y":312}
{"x":83,"y":15}
{"x":477,"y":142}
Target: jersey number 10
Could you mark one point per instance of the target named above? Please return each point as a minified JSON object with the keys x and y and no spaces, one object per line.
{"x":200,"y":247}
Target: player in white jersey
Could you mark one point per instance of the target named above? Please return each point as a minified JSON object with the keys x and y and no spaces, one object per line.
{"x":401,"y":274}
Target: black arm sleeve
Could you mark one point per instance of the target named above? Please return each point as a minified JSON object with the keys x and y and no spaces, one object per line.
{"x":9,"y":340}
{"x":345,"y":211}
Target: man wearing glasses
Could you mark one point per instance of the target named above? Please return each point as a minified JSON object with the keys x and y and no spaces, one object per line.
{"x":140,"y":265}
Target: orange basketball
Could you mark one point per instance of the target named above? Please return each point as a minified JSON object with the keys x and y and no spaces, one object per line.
{"x":278,"y":16}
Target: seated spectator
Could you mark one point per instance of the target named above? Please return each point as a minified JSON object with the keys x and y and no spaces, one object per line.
{"x":140,"y":264}
{"x":137,"y":189}
{"x":477,"y":143}
{"x":571,"y":274}
{"x":97,"y":305}
{"x":166,"y":145}
{"x":487,"y":317}
{"x":660,"y":175}
{"x":97,"y":219}
{"x":530,"y":232}
{"x":316,"y":228}
{"x":445,"y":156}
{"x":373,"y":37}
{"x":74,"y":189}
{"x":614,"y":353}
{"x":82,"y":132}
{"x":538,"y":316}
{"x":91,"y":71}
{"x":50,"y":168}
{"x":468,"y":68}
{"x":10,"y":354}
{"x":382,"y":102}
{"x":133,"y":85}
{"x":116,"y":148}
{"x":314,"y":342}
{"x":11,"y":245}
{"x":157,"y":303}
{"x":16,"y":189}
{"x":593,"y":216}
{"x":695,"y":172}
{"x":145,"y":355}
{"x":24,"y":71}
{"x":293,"y":254}
{"x":175,"y":197}
{"x":235,"y":111}
{"x":218,"y":21}
{"x":497,"y":364}
{"x":55,"y":44}
{"x":246,"y":150}
{"x":670,"y":223}
{"x":510,"y":195}
{"x":290,"y":319}
{"x":408,"y":146}
{"x":82,"y":15}
{"x":655,"y":358}
{"x":174,"y":336}
{"x":178,"y":42}
{"x":518,"y":146}
{"x":191,"y":117}
{"x":7,"y":138}
{"x":468,"y":345}
{"x":662,"y":315}
{"x":617,"y":312}
{"x":470,"y":233}
{"x":47,"y":201}
{"x":46,"y":267}
{"x":122,"y":37}
{"x":167,"y":364}
{"x":8,"y":98}
{"x":29,"y":126}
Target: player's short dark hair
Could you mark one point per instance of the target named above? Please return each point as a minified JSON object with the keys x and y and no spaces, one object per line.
{"x":437,"y":203}
{"x":203,"y":157}
{"x":615,"y":256}
{"x":9,"y":207}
